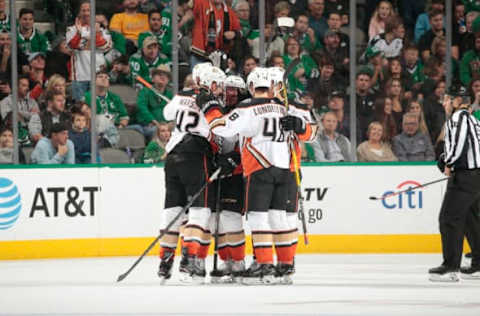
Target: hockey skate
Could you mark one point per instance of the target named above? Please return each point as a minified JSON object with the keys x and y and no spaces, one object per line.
{"x":443,"y":274}
{"x":165,"y":268}
{"x":284,"y":272}
{"x":470,"y":273}
{"x":238,"y":270}
{"x":259,"y":274}
{"x":192,"y":270}
{"x":223,"y":274}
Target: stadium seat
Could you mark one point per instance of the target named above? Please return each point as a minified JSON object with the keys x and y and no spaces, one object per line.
{"x":130,"y":138}
{"x":112,"y":155}
{"x":27,"y":152}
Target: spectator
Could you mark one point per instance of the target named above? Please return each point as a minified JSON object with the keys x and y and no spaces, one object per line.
{"x":145,"y":60}
{"x":395,"y":71}
{"x":467,"y":39}
{"x":390,"y":42}
{"x":37,"y":74}
{"x":301,"y":72}
{"x":155,"y":25}
{"x":375,"y":149}
{"x":439,"y":51}
{"x":336,"y":105}
{"x":120,"y":73}
{"x":340,"y":7}
{"x":54,"y":113}
{"x":305,"y":34}
{"x":394,"y":90}
{"x":242,"y":9}
{"x":384,"y":116}
{"x":276,"y":60}
{"x":56,"y":148}
{"x":334,"y":22}
{"x":412,"y":144}
{"x":435,"y":115}
{"x":56,"y":83}
{"x":470,"y":64}
{"x":383,"y":13}
{"x":4,"y":18}
{"x":130,"y":23}
{"x":282,"y":9}
{"x":339,"y":55}
{"x":155,"y":151}
{"x":108,"y":103}
{"x":316,"y":20}
{"x":150,"y":106}
{"x":119,"y":42}
{"x":475,"y":94}
{"x":459,"y":26}
{"x":329,"y":145}
{"x":6,"y":147}
{"x":323,"y":84}
{"x":376,"y":61}
{"x":365,"y":100}
{"x":249,"y":63}
{"x":6,"y":59}
{"x":81,"y":138}
{"x":58,"y":59}
{"x":416,"y":107}
{"x":425,"y":42}
{"x":78,"y":39}
{"x":414,"y":66}
{"x":27,"y":107}
{"x":30,"y":40}
{"x":274,"y":43}
{"x":215,"y":27}
{"x":422,"y":24}
{"x":434,"y":71}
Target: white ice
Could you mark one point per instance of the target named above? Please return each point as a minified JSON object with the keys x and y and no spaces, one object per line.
{"x":324,"y":285}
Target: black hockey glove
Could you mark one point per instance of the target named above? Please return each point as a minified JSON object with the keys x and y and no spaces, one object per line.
{"x":292,"y":123}
{"x":441,"y":163}
{"x":205,"y":99}
{"x":228,"y":162}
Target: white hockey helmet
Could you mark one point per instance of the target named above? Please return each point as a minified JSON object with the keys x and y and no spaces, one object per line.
{"x":210,"y":75}
{"x":276,"y":74}
{"x":259,"y":78}
{"x":235,"y":82}
{"x":197,"y":70}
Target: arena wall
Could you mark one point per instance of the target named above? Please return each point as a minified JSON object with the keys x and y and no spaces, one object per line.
{"x":115,"y":210}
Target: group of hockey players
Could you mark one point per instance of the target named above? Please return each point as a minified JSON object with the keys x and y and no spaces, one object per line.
{"x":253,"y":140}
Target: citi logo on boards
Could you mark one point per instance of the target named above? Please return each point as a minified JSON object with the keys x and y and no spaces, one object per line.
{"x":407,"y":200}
{"x":10,"y":203}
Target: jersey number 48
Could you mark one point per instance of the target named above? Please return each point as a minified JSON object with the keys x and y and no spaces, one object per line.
{"x":272,"y":128}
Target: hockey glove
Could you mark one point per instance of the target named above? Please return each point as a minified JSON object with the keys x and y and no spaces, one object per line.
{"x":228,"y":162}
{"x":292,"y":123}
{"x":205,"y":100}
{"x":441,"y":163}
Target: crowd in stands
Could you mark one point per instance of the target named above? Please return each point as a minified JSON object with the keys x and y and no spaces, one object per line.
{"x":400,"y":80}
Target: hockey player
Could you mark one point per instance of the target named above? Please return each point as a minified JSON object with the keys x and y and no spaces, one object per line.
{"x":266,"y":161}
{"x":300,"y":127}
{"x":188,"y":165}
{"x":231,"y":246}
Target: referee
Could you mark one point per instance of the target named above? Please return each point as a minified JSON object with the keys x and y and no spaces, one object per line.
{"x":460,"y":211}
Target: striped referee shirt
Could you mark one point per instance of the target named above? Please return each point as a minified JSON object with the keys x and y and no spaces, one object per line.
{"x":462,"y":141}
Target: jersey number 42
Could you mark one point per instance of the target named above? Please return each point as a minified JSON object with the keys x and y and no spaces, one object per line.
{"x":187,"y":120}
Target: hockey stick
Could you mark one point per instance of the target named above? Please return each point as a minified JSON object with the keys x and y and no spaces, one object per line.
{"x":293,"y":152}
{"x":148,"y":85}
{"x":217,"y":224}
{"x":164,"y":231}
{"x":407,"y":190}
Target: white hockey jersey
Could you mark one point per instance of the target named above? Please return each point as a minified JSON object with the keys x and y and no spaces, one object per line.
{"x":188,"y":117}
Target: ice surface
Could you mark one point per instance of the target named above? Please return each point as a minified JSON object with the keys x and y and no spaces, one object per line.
{"x":324,"y":285}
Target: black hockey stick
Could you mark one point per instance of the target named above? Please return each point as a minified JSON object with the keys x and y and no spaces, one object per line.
{"x":289,"y":69}
{"x":164,"y":231}
{"x":218,"y":208}
{"x":407,"y":190}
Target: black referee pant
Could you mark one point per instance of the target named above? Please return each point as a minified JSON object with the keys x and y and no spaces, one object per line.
{"x":459,"y":216}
